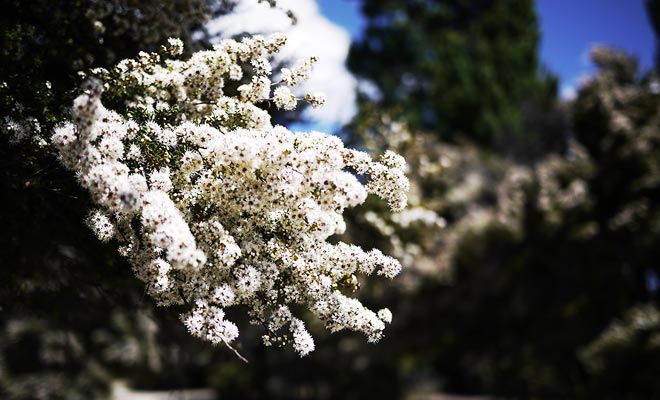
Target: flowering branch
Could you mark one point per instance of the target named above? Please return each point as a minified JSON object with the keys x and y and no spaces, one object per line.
{"x":213,"y":206}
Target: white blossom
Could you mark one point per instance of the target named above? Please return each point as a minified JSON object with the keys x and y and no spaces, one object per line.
{"x":175,"y":46}
{"x":385,"y":315}
{"x":316,"y":99}
{"x":160,"y":180}
{"x":302,"y":340}
{"x":217,"y":207}
{"x":284,"y":99}
{"x":103,"y":228}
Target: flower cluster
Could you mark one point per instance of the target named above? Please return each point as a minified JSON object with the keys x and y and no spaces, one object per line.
{"x":214,"y":207}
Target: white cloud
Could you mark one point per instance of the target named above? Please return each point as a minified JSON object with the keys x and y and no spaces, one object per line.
{"x":313,"y":35}
{"x":568,"y":92}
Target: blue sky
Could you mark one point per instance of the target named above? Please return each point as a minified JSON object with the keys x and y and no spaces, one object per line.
{"x":345,"y":13}
{"x":569,"y":28}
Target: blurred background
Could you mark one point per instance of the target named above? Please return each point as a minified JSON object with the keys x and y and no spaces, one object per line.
{"x":530,"y":244}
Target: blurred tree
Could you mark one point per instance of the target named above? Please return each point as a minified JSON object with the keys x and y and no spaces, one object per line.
{"x":624,"y":360}
{"x":463,"y":69}
{"x":653,"y":11}
{"x":535,"y":273}
{"x":72,"y":315}
{"x":569,"y":247}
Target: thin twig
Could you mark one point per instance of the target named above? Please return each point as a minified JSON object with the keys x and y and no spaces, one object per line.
{"x":245,"y":360}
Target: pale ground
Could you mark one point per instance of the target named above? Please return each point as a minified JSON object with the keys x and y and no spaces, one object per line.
{"x":121,"y":392}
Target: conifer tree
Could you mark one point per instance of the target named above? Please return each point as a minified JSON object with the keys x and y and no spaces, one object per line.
{"x":462,"y":68}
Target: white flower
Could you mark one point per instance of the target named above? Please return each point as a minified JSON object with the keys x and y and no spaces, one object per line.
{"x":235,"y":72}
{"x":224,"y":295}
{"x":262,"y":66}
{"x":100,"y":223}
{"x":134,"y":152}
{"x":284,"y":99}
{"x":385,"y":315}
{"x":175,"y":46}
{"x":316,"y":99}
{"x":302,"y":340}
{"x":111,"y":148}
{"x":160,"y":180}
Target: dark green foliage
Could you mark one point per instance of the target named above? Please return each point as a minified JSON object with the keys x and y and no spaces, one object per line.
{"x":625,"y":359}
{"x":653,"y":11}
{"x":50,"y":41}
{"x":461,"y":68}
{"x":528,"y":296}
{"x":544,"y":300}
{"x":67,"y":301}
{"x":566,"y":250}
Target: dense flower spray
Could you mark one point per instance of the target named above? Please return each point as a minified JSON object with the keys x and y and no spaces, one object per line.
{"x":213,"y":206}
